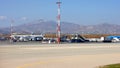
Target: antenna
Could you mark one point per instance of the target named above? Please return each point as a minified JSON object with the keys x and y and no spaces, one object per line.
{"x":11,"y":29}
{"x":58,"y":24}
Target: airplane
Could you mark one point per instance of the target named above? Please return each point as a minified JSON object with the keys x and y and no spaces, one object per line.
{"x":112,"y":39}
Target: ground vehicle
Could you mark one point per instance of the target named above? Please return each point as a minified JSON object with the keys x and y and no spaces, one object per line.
{"x":77,"y":40}
{"x":49,"y":41}
{"x":38,"y":38}
{"x":2,"y":39}
{"x":64,"y":39}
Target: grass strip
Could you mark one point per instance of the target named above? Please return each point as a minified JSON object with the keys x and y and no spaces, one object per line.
{"x":111,"y":66}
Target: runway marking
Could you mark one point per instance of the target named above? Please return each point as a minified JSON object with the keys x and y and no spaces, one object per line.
{"x":38,"y":63}
{"x":71,"y":47}
{"x":31,"y":64}
{"x":66,"y":58}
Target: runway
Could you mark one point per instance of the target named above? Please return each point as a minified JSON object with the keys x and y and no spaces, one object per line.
{"x":83,"y":55}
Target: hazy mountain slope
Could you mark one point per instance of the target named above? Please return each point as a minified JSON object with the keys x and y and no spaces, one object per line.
{"x":66,"y":27}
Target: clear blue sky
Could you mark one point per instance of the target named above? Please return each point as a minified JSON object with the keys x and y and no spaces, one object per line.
{"x":84,"y":12}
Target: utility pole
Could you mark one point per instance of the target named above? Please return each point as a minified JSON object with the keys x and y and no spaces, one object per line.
{"x":58,"y":24}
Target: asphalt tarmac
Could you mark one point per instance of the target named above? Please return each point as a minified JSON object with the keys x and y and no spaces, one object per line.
{"x":37,"y":55}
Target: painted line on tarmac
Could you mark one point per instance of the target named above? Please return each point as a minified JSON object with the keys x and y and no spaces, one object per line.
{"x":31,"y":64}
{"x":39,"y":63}
{"x":71,"y":47}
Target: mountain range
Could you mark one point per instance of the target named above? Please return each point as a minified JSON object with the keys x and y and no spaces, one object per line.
{"x":40,"y":26}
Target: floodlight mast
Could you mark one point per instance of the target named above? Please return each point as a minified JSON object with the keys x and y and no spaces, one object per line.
{"x":58,"y":24}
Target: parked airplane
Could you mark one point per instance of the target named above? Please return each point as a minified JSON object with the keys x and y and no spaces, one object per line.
{"x":112,"y":39}
{"x":25,"y":38}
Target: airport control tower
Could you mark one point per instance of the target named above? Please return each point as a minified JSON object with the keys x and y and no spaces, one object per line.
{"x":58,"y":24}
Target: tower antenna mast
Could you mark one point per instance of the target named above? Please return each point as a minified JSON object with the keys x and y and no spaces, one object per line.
{"x":11,"y":29}
{"x":58,"y":22}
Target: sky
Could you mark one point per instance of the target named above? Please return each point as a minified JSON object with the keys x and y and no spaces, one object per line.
{"x":83,"y":12}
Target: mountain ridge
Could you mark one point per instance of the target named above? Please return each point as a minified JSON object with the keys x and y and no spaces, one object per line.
{"x":40,"y":26}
